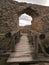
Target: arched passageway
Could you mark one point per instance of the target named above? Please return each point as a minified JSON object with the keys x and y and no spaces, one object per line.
{"x":23,"y":49}
{"x":25,"y":22}
{"x":31,"y":14}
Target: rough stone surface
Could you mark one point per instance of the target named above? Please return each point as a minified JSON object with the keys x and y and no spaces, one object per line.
{"x":11,"y":10}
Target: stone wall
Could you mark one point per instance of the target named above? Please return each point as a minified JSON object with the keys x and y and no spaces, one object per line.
{"x":11,"y":10}
{"x":8,"y":16}
{"x":37,"y":12}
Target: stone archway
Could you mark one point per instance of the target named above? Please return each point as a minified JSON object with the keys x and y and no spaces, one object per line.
{"x":37,"y":22}
{"x":31,"y":12}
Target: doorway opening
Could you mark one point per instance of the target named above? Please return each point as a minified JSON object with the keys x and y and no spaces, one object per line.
{"x":25,"y":22}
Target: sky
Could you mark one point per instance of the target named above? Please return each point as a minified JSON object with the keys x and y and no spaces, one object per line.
{"x":40,"y":2}
{"x":24,"y":19}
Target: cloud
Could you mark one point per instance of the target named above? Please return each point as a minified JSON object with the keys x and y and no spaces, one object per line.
{"x":24,"y":22}
{"x":25,"y":17}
